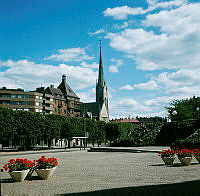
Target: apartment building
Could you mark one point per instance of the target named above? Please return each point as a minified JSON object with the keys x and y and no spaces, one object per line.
{"x":18,"y":99}
{"x":61,"y":100}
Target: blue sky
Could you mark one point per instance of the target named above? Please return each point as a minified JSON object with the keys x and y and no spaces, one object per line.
{"x":150,"y":49}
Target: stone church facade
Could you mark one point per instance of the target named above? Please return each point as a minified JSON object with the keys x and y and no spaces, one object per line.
{"x":98,"y":110}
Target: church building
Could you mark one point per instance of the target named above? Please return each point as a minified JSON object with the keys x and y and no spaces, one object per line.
{"x":98,"y":110}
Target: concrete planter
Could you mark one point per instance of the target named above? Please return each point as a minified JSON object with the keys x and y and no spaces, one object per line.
{"x":185,"y":161}
{"x":19,"y":176}
{"x":197,"y":158}
{"x":168,"y":160}
{"x":45,"y":174}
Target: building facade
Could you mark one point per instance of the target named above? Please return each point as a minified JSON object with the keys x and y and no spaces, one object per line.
{"x":18,"y":99}
{"x":65,"y":101}
{"x":50,"y":100}
{"x":99,"y":109}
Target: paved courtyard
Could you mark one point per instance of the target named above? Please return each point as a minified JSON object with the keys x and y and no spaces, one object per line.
{"x":107,"y":173}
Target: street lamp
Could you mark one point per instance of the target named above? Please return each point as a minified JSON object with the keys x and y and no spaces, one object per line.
{"x":174,"y":113}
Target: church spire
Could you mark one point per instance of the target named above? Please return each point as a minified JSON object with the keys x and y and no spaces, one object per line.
{"x":100,"y":78}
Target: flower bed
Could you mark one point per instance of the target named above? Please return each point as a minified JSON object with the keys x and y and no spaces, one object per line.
{"x":20,"y":165}
{"x":181,"y":154}
{"x":44,"y":163}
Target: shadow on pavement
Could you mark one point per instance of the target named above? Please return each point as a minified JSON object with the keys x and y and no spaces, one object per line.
{"x":178,"y":189}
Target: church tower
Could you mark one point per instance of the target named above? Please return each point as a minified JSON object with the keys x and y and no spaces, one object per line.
{"x":102,"y":93}
{"x":99,"y":109}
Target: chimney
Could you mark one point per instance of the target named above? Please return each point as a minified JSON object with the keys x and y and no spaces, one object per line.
{"x":52,"y":86}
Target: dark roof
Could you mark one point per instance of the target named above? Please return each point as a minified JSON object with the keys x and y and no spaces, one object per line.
{"x":65,"y":88}
{"x":54,"y":91}
{"x":7,"y":89}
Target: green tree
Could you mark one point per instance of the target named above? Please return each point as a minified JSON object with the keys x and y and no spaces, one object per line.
{"x":112,"y":131}
{"x":7,"y":125}
{"x":185,"y":108}
{"x":53,"y":125}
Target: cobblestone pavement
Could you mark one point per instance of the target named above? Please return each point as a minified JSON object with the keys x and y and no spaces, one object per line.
{"x":107,"y":173}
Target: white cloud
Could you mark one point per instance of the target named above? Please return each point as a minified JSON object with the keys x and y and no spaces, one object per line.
{"x":124,"y":107}
{"x":120,"y":13}
{"x":128,"y":104}
{"x":159,"y":101}
{"x":182,"y":82}
{"x":92,"y":65}
{"x":29,"y":75}
{"x":122,"y":26}
{"x":114,"y":67}
{"x":127,"y":87}
{"x":87,"y":96}
{"x":176,"y":46}
{"x":150,"y":85}
{"x":100,"y":31}
{"x":69,"y":55}
{"x":182,"y":20}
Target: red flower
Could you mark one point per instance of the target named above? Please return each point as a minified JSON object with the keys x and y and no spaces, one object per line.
{"x":167,"y":153}
{"x":18,"y":164}
{"x":44,"y":163}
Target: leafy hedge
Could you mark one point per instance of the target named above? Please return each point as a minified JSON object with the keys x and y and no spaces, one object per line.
{"x":174,"y":131}
{"x":191,"y":142}
{"x":127,"y":134}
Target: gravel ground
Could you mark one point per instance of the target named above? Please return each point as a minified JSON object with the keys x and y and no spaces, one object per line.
{"x":107,"y":173}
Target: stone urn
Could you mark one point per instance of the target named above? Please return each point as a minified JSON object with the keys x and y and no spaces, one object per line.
{"x":168,"y":160}
{"x":185,"y":160}
{"x":197,"y":158}
{"x":19,"y":176}
{"x":45,"y":174}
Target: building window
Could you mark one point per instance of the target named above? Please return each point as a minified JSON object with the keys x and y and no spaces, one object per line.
{"x":26,"y":96}
{"x":20,"y":96}
{"x":5,"y":102}
{"x":59,"y":110}
{"x":13,"y":96}
{"x":5,"y":95}
{"x":70,"y":111}
{"x":13,"y":103}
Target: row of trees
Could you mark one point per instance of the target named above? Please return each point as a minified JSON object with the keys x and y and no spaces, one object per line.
{"x":25,"y":128}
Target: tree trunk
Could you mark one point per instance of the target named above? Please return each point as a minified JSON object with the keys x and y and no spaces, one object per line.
{"x":49,"y":144}
{"x":69,"y":141}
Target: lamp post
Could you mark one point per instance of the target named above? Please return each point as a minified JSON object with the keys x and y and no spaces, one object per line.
{"x":174,"y":113}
